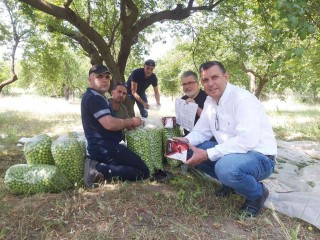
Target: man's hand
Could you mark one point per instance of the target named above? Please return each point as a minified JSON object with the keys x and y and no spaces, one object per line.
{"x":189,"y":100}
{"x":199,"y":156}
{"x":146,"y":105}
{"x":136,"y":122}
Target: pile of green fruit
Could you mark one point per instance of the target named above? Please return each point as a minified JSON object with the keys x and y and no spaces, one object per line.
{"x":68,"y":157}
{"x":35,"y":178}
{"x":147,"y":143}
{"x":150,"y":145}
{"x":51,"y":166}
{"x":38,"y":150}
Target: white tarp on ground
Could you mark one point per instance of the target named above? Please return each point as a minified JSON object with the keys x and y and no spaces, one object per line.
{"x":297,"y":176}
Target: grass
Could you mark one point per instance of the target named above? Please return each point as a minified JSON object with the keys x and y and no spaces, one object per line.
{"x":184,"y":208}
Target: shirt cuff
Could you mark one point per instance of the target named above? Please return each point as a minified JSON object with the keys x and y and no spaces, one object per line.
{"x":214,"y":154}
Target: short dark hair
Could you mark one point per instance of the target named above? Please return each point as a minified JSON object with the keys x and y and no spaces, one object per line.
{"x":209,"y":64}
{"x":120,"y":84}
{"x":189,"y":73}
{"x":150,"y":62}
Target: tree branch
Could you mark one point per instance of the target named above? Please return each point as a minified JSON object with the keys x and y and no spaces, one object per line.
{"x":86,"y":45}
{"x":84,"y":27}
{"x":249,"y":70}
{"x":67,"y":3}
{"x":179,"y":13}
{"x":9,"y":81}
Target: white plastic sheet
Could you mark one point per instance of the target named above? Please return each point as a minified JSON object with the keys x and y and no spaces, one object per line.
{"x":298,"y":168}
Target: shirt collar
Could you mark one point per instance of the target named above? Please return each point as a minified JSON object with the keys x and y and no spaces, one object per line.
{"x":95,"y":92}
{"x":225,"y":94}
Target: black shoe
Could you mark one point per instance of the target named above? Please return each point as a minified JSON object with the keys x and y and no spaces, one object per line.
{"x":225,"y":191}
{"x":161,"y":176}
{"x":91,"y":175}
{"x":252,"y":208}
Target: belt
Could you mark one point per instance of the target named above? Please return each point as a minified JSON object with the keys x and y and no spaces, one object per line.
{"x":272,"y":157}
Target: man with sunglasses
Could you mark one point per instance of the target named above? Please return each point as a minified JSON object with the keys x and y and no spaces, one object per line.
{"x":138,"y":82}
{"x":193,"y":93}
{"x":106,"y":158}
{"x":245,"y":148}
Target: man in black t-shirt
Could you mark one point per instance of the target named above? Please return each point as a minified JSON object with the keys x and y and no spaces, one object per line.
{"x":107,"y":159}
{"x":190,"y":85}
{"x":138,"y":82}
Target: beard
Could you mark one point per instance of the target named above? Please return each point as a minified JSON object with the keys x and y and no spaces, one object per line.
{"x":190,"y":93}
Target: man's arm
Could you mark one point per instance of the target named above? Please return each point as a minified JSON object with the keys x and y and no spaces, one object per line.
{"x":116,"y":124}
{"x":157,"y":95}
{"x":134,"y":87}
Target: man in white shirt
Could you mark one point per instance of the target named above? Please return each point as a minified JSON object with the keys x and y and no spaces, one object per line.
{"x":245,"y":148}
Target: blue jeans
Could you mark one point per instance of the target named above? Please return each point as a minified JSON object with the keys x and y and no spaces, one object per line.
{"x":143,"y":111}
{"x":240,"y":171}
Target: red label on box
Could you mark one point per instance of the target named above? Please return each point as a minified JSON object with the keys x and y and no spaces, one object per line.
{"x":176,"y":150}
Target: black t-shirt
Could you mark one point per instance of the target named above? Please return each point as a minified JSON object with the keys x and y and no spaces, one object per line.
{"x":199,"y":99}
{"x":100,"y":140}
{"x":138,"y":76}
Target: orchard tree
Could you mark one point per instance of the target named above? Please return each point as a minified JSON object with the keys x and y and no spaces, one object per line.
{"x":52,"y":68}
{"x":252,"y":38}
{"x":107,"y":31}
{"x":12,"y":33}
{"x":171,"y":67}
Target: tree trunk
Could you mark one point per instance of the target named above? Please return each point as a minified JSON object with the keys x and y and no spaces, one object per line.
{"x":253,"y":85}
{"x":9,"y":81}
{"x":261,"y":84}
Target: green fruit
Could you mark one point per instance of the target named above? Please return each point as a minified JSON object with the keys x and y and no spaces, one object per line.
{"x":147,"y":143}
{"x":68,"y":157}
{"x":38,"y":150}
{"x":36,"y":178}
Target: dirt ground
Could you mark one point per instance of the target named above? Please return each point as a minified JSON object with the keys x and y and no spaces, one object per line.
{"x":183,"y":208}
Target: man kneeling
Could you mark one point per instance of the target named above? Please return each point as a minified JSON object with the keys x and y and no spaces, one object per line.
{"x":107,"y":159}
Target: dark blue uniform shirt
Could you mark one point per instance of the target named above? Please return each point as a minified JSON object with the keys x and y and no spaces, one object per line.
{"x":100,"y":140}
{"x":138,"y":77}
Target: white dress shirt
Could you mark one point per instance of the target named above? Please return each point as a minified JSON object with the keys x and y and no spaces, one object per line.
{"x":238,"y":122}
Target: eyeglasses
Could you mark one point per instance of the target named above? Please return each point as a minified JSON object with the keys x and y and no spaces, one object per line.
{"x":216,"y":123}
{"x":188,"y":83}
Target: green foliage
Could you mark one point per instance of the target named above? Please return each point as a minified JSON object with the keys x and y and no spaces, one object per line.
{"x":170,"y":68}
{"x":4,"y":71}
{"x":53,"y":68}
{"x":301,"y":16}
{"x":252,"y":37}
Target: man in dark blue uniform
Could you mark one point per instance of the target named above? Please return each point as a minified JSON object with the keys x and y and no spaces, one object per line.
{"x":107,"y":159}
{"x":138,"y":82}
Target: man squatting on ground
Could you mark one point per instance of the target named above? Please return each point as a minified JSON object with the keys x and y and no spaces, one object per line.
{"x":193,"y":93}
{"x":138,"y":82}
{"x":245,"y":148}
{"x":107,"y":159}
{"x":118,"y":95}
